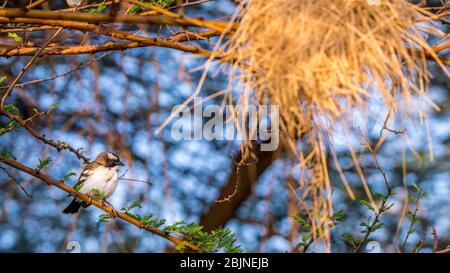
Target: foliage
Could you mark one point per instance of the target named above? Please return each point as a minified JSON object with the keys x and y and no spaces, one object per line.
{"x":2,"y":79}
{"x":69,"y":175}
{"x":9,"y":154}
{"x":43,"y":163}
{"x":52,"y":107}
{"x":218,"y":240}
{"x":98,"y":194}
{"x":162,"y":3}
{"x":15,"y":37}
{"x":100,"y":9}
{"x":307,"y":237}
{"x":13,"y":109}
{"x":78,"y":187}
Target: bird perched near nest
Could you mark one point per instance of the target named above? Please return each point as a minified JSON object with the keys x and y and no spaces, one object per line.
{"x":98,"y":180}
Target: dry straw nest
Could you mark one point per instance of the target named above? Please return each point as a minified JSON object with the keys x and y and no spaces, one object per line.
{"x":319,"y":60}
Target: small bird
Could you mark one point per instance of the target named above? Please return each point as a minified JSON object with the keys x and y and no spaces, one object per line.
{"x":74,"y":3}
{"x":98,"y":180}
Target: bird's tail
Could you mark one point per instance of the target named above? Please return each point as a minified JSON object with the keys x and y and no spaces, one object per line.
{"x":73,"y":207}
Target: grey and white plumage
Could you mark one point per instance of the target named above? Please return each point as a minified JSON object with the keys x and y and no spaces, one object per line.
{"x":74,"y":3}
{"x":98,"y":180}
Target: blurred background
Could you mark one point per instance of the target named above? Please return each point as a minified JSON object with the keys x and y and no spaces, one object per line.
{"x":116,"y":100}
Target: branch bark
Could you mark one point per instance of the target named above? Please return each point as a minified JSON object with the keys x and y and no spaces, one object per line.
{"x":94,"y":18}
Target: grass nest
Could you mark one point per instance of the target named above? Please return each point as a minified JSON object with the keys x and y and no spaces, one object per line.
{"x":320,"y":61}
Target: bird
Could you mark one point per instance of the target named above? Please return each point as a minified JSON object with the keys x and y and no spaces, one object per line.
{"x":74,"y":3}
{"x":98,"y":180}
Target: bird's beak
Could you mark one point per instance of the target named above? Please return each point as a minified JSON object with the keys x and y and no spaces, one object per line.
{"x":121,"y":164}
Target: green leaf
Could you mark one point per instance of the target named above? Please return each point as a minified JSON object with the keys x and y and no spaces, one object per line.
{"x":12,"y":109}
{"x":15,"y":37}
{"x":306,"y":236}
{"x":376,"y":226}
{"x":161,"y":3}
{"x":104,"y":217}
{"x":43,"y":163}
{"x":134,"y":204}
{"x":53,"y":106}
{"x":365,"y":203}
{"x":8,"y":154}
{"x":338,"y":216}
{"x":98,"y":194}
{"x":181,"y":247}
{"x":378,"y":196}
{"x":78,"y":187}
{"x":301,"y":221}
{"x":2,"y":79}
{"x":207,"y":242}
{"x":349,"y":239}
{"x":415,"y":187}
{"x":9,"y":126}
{"x":101,"y":8}
{"x":387,"y":207}
{"x":69,"y":175}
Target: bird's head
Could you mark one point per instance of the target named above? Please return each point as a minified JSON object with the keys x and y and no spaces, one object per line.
{"x":108,"y":159}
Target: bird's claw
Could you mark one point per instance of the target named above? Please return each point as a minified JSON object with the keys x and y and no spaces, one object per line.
{"x":111,"y":209}
{"x":113,"y":212}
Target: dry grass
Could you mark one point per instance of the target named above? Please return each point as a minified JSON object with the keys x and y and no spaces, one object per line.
{"x":319,"y":61}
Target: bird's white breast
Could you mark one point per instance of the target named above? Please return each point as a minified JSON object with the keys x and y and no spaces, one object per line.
{"x":103,"y":179}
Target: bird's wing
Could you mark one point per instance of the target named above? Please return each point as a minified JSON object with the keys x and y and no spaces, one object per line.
{"x":87,"y":171}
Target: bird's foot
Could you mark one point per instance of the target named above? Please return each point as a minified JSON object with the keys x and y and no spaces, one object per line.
{"x":113,"y":212}
{"x":111,"y":209}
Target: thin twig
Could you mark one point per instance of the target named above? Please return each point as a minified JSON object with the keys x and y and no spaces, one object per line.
{"x":16,"y":181}
{"x":411,"y":225}
{"x":382,"y":208}
{"x":26,"y":67}
{"x":58,"y":75}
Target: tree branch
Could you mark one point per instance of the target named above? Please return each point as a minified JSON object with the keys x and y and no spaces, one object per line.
{"x":94,"y":18}
{"x":171,"y":42}
{"x":60,"y":184}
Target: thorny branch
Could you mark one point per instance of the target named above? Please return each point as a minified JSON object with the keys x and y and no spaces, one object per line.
{"x":60,"y":184}
{"x":383,"y":206}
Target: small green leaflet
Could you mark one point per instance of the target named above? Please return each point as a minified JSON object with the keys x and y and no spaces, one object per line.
{"x":415,"y":187}
{"x":43,"y":163}
{"x":69,"y":175}
{"x":78,"y":187}
{"x":98,"y":194}
{"x":15,"y":37}
{"x":104,"y":218}
{"x":12,"y":109}
{"x":365,"y":203}
{"x":131,"y":206}
{"x":8,"y":154}
{"x":300,"y":220}
{"x":349,"y":239}
{"x":53,"y":106}
{"x":101,"y":8}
